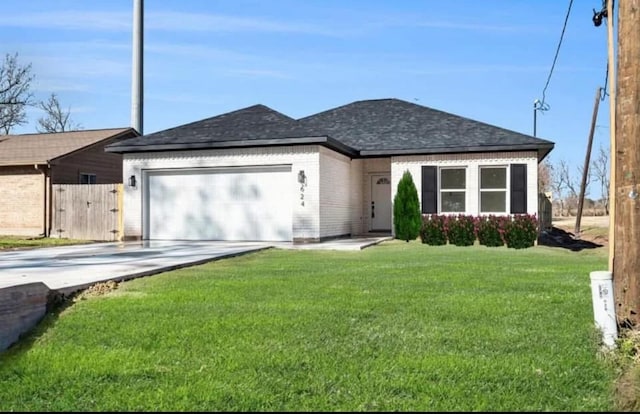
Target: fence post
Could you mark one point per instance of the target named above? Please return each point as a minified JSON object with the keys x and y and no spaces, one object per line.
{"x":120,"y":188}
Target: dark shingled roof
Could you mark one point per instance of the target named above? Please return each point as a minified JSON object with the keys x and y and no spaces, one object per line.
{"x":363,"y":128}
{"x":256,"y":125}
{"x":393,"y":126}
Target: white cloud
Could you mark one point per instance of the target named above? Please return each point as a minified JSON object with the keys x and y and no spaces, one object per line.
{"x":194,"y":51}
{"x":53,"y":84}
{"x":351,"y":23}
{"x":449,"y":25}
{"x":74,"y":67}
{"x":72,"y":20}
{"x":195,"y":22}
{"x":259,"y":73}
{"x":466,"y":68}
{"x":181,"y":98}
{"x":161,"y":21}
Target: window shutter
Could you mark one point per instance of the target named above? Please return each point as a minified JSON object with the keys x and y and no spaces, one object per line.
{"x":429,"y":190}
{"x":518,"y":188}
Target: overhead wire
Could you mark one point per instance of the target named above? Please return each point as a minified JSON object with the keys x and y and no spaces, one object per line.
{"x":606,"y":76}
{"x":543,"y":104}
{"x":604,"y":92}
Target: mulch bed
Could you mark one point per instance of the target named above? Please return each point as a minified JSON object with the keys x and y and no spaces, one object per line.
{"x":556,"y":237}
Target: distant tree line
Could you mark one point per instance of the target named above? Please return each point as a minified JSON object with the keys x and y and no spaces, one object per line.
{"x":563,"y":183}
{"x":16,"y":96}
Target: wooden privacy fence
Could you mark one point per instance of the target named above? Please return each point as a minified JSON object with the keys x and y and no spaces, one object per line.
{"x":87,"y":211}
{"x":544,"y":211}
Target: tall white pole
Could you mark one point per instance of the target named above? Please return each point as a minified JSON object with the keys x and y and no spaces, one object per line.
{"x":137,"y":90}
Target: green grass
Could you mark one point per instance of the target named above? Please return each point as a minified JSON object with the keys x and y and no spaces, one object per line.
{"x":20,"y":242}
{"x":395,"y":327}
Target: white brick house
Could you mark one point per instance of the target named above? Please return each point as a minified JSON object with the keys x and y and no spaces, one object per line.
{"x":256,"y":174}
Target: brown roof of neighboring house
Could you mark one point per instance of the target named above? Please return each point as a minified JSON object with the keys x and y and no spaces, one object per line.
{"x":27,"y":149}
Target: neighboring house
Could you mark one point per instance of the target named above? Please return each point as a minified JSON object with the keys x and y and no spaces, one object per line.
{"x":31,"y":163}
{"x":257,"y":174}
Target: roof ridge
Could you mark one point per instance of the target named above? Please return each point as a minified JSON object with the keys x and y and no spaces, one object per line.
{"x":223,"y":115}
{"x":353,"y":103}
{"x":67,"y":132}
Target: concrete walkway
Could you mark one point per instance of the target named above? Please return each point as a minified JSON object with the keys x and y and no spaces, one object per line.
{"x":72,"y":268}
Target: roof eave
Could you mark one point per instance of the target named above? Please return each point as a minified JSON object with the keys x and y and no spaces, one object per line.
{"x":542,"y":149}
{"x":24,"y":163}
{"x":321,"y":140}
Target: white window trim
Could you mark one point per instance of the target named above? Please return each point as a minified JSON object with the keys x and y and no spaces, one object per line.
{"x":456,"y":190}
{"x":507,"y":192}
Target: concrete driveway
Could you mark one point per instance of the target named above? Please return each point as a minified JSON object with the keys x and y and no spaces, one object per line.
{"x":71,"y":268}
{"x":31,"y":279}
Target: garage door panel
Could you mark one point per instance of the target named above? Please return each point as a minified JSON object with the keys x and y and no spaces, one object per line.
{"x":230,"y":204}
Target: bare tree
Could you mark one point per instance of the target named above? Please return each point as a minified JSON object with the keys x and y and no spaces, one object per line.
{"x":15,"y":93}
{"x":557,"y":184}
{"x":56,"y":119}
{"x":600,"y":168}
{"x":544,"y":176}
{"x":577,"y":182}
{"x":570,"y":184}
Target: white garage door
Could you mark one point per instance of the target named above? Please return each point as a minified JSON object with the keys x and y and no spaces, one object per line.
{"x":240,"y":203}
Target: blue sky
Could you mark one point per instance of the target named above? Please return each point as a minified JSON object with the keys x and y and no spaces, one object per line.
{"x":485,"y":60}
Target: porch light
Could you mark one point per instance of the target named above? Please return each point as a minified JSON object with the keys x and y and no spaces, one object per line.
{"x":132,"y":181}
{"x":302,"y":178}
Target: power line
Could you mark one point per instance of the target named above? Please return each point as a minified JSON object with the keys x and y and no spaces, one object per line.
{"x":604,"y":93}
{"x":608,"y":14}
{"x":564,"y":27}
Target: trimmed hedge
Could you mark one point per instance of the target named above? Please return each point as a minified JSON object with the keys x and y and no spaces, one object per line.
{"x":490,"y":230}
{"x":521,"y":231}
{"x":434,"y":229}
{"x":461,"y":230}
{"x":517,"y":231}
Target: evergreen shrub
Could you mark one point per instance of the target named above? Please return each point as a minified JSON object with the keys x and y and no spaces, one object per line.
{"x":407,"y":217}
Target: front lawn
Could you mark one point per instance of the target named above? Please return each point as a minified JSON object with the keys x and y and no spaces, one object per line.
{"x":395,"y":327}
{"x":20,"y":242}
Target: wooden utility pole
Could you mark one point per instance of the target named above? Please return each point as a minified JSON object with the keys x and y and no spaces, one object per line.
{"x":611,"y":67}
{"x":626,"y":261}
{"x":585,"y":170}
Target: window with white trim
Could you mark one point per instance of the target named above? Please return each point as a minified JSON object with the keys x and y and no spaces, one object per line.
{"x":493,"y":189}
{"x":87,"y":178}
{"x":453,"y":186}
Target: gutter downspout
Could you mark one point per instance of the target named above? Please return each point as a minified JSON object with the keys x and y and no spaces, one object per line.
{"x":49,"y":200}
{"x":44,"y":204}
{"x":46,"y":213}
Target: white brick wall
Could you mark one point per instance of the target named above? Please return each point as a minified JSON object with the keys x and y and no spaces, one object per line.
{"x":472,"y":162}
{"x":357,"y":197}
{"x":306,"y":218}
{"x":335,"y":198}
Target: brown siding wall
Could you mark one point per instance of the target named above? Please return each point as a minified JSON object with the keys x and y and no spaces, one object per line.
{"x":21,"y":200}
{"x":106,"y":166}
